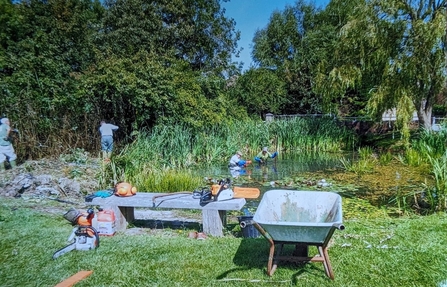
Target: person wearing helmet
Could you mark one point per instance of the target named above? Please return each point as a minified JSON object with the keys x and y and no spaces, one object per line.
{"x":264,"y":154}
{"x":6,"y":148}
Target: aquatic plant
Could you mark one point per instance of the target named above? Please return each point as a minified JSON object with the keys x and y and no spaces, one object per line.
{"x":439,"y":170}
{"x":365,"y":162}
{"x":411,"y":157}
{"x":385,"y":158}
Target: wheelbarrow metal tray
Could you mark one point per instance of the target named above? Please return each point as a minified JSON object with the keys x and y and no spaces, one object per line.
{"x":308,"y":217}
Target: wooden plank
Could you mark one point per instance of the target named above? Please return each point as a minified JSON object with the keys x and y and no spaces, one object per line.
{"x":182,"y":201}
{"x":74,"y":279}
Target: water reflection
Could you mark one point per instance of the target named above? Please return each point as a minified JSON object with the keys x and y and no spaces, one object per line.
{"x":283,"y":166}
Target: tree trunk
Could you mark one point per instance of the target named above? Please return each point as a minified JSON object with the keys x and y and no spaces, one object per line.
{"x":424,"y":115}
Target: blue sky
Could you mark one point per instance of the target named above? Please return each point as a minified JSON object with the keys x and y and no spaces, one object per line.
{"x":251,"y":15}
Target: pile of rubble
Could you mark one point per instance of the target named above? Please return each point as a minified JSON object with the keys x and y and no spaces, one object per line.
{"x":48,"y":180}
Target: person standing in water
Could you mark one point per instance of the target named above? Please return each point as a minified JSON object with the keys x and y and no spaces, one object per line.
{"x":263,"y":155}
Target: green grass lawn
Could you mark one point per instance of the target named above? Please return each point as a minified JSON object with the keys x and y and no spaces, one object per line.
{"x":408,"y":251}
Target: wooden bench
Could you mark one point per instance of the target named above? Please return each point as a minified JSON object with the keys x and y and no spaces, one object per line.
{"x":213,"y":213}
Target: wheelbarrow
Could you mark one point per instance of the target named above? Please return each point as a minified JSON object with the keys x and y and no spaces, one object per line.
{"x":302,"y":218}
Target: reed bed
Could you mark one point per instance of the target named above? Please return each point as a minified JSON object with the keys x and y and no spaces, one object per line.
{"x":430,"y":148}
{"x":171,"y":150}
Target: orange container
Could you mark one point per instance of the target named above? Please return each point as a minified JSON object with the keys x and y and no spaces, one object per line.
{"x":106,"y":222}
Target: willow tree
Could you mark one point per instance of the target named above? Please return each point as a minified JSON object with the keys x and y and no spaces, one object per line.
{"x":396,"y":49}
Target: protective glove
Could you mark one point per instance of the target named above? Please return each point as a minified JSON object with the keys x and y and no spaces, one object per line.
{"x":274,"y":154}
{"x":241,"y":163}
{"x":258,"y":159}
{"x":103,"y":193}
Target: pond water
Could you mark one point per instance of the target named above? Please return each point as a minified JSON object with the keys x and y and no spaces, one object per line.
{"x":284,"y":166}
{"x":390,"y":185}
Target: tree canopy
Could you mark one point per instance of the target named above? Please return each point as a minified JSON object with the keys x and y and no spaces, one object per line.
{"x":394,"y":53}
{"x":65,"y":65}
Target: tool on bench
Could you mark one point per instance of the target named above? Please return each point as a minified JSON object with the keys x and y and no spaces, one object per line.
{"x":218,"y":192}
{"x":224,"y":191}
{"x":84,"y":236}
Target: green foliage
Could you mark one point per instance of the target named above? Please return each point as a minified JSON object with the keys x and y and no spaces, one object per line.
{"x":385,"y":158}
{"x":195,"y":31}
{"x":358,"y":167}
{"x":439,"y":110}
{"x":439,"y":170}
{"x":77,"y":155}
{"x":432,"y":143}
{"x":67,"y":64}
{"x":167,"y":180}
{"x":364,"y":164}
{"x":430,"y":148}
{"x":291,"y":46}
{"x":261,"y":91}
{"x":159,"y":159}
{"x":398,"y":65}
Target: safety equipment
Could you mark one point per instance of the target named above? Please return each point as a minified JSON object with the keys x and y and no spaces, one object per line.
{"x":13,"y":163}
{"x":274,"y":154}
{"x":125,"y":189}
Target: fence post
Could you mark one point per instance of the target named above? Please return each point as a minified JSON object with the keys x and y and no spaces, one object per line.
{"x":269,"y":117}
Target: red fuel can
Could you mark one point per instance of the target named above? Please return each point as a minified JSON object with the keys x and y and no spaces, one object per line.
{"x":106,"y":222}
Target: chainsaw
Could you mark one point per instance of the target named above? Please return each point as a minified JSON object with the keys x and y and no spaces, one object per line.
{"x":225,"y":191}
{"x":83,"y":236}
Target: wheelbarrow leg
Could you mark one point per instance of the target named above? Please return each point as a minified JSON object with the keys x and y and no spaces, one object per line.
{"x":326,"y":262}
{"x":270,"y":266}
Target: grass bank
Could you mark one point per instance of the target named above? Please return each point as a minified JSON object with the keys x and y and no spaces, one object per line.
{"x":407,"y":251}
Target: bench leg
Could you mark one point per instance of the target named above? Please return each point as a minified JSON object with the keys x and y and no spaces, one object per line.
{"x":214,"y":221}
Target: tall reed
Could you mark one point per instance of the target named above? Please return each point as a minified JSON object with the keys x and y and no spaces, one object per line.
{"x":180,"y":148}
{"x":430,"y":148}
{"x":439,"y":171}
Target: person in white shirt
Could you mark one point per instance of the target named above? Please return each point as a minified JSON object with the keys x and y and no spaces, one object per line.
{"x":236,"y":164}
{"x":106,"y":131}
{"x":6,"y":149}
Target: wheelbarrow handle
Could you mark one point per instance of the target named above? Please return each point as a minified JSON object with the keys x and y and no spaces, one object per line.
{"x":262,"y":231}
{"x":339,"y":226}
